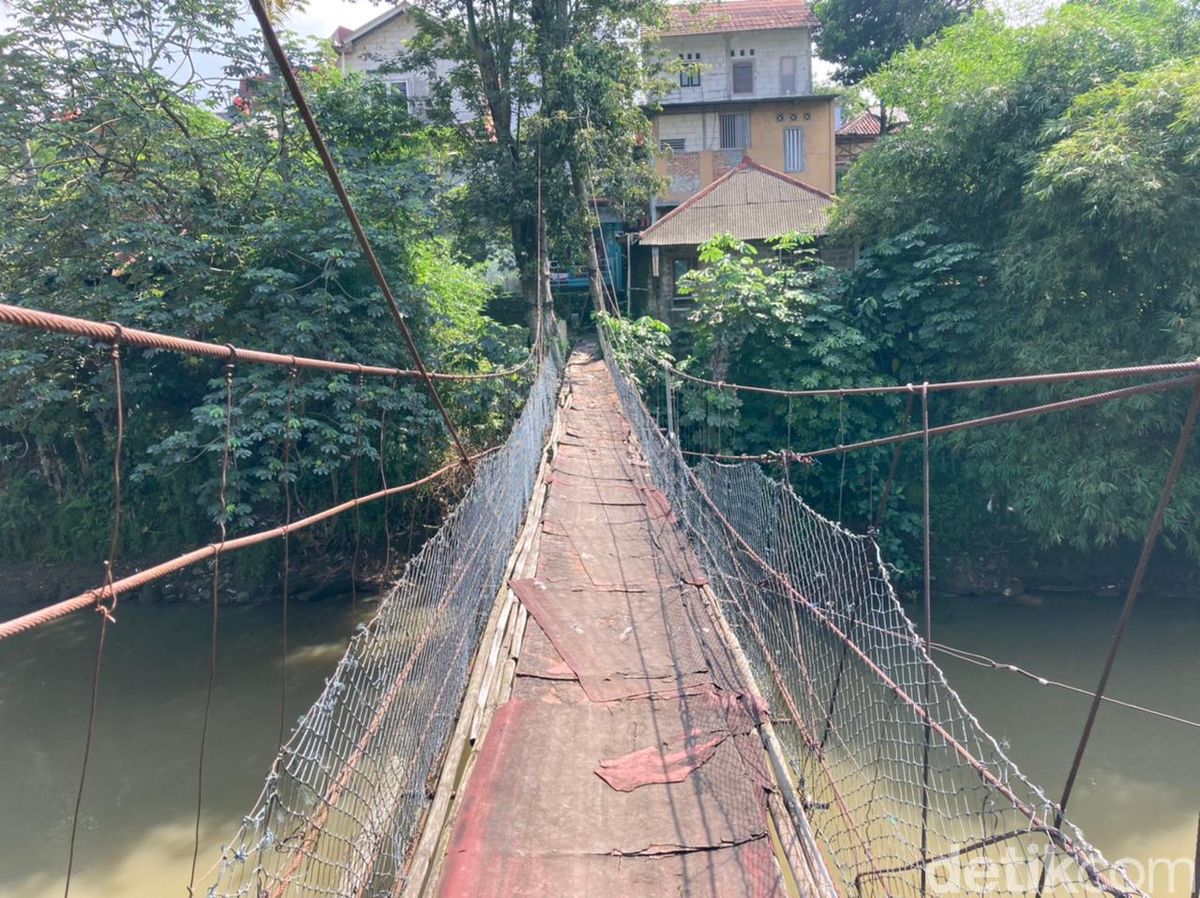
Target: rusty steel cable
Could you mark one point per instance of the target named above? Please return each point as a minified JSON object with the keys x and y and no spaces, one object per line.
{"x":109,"y":332}
{"x":136,"y":581}
{"x":285,"y":475}
{"x":1158,"y":386}
{"x":1131,"y":597}
{"x":969,"y":424}
{"x":387,"y":527}
{"x":335,"y":179}
{"x":223,"y":505}
{"x":355,"y":474}
{"x":927,"y":583}
{"x":1196,"y":865}
{"x":106,"y":611}
{"x":1016,"y":380}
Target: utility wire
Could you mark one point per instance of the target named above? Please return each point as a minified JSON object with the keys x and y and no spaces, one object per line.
{"x":989,"y":663}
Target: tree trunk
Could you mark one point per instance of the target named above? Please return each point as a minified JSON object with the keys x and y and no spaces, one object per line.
{"x":579,"y":187}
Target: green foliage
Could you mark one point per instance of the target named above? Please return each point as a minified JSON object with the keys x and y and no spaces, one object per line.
{"x":130,"y":196}
{"x":861,"y":35}
{"x":555,"y":91}
{"x":775,"y":317}
{"x":641,"y":346}
{"x":1039,"y":214}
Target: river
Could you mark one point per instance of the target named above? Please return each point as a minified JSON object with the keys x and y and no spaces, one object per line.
{"x":1137,"y":798}
{"x":136,"y":826}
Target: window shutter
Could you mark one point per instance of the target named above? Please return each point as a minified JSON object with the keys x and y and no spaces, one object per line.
{"x":793,"y":150}
{"x":787,"y":74}
{"x":743,"y":77}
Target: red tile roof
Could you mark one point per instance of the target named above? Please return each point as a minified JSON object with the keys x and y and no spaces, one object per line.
{"x":866,"y":124}
{"x":738,"y":15}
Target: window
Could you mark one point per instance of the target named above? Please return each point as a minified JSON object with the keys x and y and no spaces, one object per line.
{"x":787,"y":74}
{"x":793,"y":149}
{"x":689,"y":75}
{"x":743,"y":77}
{"x":680,"y":267}
{"x":735,"y":131}
{"x":399,"y":87}
{"x":673,"y":144}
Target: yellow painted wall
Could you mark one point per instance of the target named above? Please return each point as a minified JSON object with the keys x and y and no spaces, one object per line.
{"x":767,"y":142}
{"x":766,"y":145}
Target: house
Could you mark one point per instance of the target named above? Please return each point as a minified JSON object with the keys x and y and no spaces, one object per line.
{"x":751,"y":202}
{"x":861,"y":133}
{"x":377,"y":49}
{"x":745,"y":146}
{"x":743,"y":87}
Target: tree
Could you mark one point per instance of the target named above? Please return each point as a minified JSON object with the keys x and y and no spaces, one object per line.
{"x":554,"y":88}
{"x":126,"y":196}
{"x":1054,"y":165}
{"x":861,"y":35}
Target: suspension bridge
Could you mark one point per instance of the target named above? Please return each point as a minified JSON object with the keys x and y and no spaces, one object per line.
{"x":622,"y":669}
{"x":619,"y":668}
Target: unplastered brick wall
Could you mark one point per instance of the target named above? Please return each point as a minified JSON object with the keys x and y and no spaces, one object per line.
{"x":716,"y":53}
{"x":684,"y":171}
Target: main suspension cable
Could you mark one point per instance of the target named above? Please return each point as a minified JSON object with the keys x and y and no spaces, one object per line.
{"x":314,"y":131}
{"x":1134,"y":371}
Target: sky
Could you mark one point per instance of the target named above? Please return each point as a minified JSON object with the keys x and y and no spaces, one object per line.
{"x":320,"y":17}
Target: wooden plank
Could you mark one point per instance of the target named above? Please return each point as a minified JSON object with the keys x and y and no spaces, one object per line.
{"x":424,"y":860}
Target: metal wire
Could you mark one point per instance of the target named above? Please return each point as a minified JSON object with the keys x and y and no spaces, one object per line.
{"x":112,"y":333}
{"x":815,"y":609}
{"x":360,"y":233}
{"x":106,"y":611}
{"x":1131,"y":371}
{"x":345,"y":796}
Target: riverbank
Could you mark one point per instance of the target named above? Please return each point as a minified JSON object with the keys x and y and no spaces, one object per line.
{"x":35,"y":584}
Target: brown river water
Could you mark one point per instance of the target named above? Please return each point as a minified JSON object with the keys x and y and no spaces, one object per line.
{"x":1138,"y":796}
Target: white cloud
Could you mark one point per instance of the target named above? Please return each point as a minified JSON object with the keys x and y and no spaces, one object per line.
{"x":322,"y":18}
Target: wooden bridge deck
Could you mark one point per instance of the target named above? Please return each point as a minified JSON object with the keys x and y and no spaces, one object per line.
{"x":628,"y":758}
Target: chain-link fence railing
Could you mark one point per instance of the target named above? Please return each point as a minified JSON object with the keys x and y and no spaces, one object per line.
{"x":906,"y":791}
{"x":343,"y":801}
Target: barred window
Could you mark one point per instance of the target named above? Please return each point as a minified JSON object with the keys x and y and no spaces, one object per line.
{"x":793,"y":150}
{"x":735,"y":131}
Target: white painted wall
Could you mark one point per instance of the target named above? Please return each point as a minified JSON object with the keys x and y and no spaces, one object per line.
{"x":716,"y":76}
{"x":381,"y":48}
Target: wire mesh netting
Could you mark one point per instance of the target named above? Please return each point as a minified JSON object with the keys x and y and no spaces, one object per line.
{"x":343,"y":801}
{"x":907,"y":793}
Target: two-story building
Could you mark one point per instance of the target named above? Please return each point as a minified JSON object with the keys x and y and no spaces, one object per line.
{"x":378,"y":47}
{"x":745,"y":146}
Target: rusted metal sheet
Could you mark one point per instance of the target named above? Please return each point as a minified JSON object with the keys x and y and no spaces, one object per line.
{"x":619,"y":643}
{"x":536,"y":819}
{"x":627,"y":761}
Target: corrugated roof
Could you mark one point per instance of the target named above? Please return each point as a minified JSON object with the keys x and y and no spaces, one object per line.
{"x":866,"y":124}
{"x":751,"y":202}
{"x":738,"y":15}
